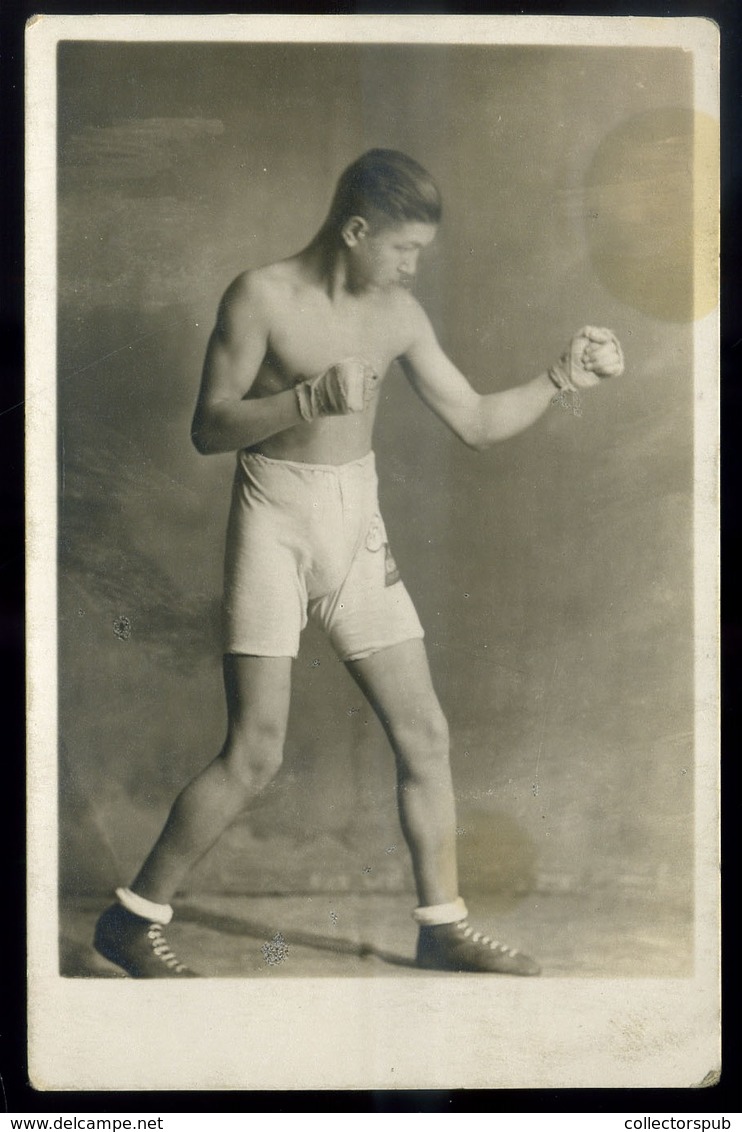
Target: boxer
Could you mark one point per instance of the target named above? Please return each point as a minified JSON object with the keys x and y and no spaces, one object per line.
{"x":291,"y":382}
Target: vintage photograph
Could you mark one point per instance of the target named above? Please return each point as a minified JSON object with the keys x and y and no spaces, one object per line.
{"x":377,"y":379}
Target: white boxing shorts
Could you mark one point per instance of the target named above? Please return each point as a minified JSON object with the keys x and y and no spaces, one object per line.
{"x":308,"y":541}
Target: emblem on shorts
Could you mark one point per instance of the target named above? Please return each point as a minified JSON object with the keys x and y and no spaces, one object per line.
{"x":375,"y":536}
{"x":391,"y":573}
{"x":375,"y":541}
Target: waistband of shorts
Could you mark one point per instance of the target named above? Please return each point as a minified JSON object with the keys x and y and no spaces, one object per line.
{"x":366,"y":464}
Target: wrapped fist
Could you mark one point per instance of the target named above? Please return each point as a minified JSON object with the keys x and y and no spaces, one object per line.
{"x":593,"y":354}
{"x":346,"y":387}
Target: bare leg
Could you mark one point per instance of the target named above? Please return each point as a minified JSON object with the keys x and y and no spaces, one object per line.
{"x":258,"y":690}
{"x":397,"y":684}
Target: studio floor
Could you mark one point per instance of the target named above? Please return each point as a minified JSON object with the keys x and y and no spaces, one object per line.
{"x":596,"y":935}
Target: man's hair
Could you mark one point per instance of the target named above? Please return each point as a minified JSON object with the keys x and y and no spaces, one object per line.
{"x":385,"y":187}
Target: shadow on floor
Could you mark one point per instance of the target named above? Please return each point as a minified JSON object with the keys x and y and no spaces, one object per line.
{"x":600,"y":934}
{"x":230,"y":925}
{"x":79,"y":961}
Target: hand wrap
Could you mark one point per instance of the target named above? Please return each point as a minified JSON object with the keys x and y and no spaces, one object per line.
{"x":593,"y":354}
{"x":346,"y":387}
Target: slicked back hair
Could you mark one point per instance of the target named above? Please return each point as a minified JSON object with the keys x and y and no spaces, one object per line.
{"x":386,"y":188}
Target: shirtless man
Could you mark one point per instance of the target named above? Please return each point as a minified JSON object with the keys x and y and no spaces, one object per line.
{"x":291,"y":384}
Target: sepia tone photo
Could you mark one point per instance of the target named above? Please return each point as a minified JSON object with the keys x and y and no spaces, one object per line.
{"x":379,"y":459}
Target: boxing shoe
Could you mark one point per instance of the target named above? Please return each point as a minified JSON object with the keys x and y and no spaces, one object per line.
{"x":457,"y":947}
{"x":138,"y":946}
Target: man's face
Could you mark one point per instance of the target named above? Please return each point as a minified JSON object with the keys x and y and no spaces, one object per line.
{"x":387,"y":257}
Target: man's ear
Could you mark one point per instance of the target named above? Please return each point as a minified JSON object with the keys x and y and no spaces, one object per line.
{"x":354,"y":230}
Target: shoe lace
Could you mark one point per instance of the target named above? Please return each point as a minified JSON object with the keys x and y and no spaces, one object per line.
{"x":484,"y":940}
{"x":161,"y":948}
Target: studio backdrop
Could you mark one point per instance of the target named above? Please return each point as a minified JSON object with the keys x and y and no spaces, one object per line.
{"x":552,"y":573}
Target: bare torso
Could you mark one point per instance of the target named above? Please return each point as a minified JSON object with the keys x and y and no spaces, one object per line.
{"x":309,"y":332}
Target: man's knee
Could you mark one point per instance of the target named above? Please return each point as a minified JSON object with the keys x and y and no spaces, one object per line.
{"x":254,"y":752}
{"x":423,"y":743}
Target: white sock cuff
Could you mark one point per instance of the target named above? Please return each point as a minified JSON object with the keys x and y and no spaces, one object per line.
{"x":147,"y":909}
{"x":435,"y":914}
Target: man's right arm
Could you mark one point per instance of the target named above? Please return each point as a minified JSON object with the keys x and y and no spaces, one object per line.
{"x":224,"y":420}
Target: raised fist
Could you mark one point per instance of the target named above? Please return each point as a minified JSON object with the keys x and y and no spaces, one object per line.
{"x":346,"y":387}
{"x":593,"y":354}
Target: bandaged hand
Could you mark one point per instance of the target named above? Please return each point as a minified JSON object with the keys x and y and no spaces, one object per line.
{"x":593,"y":354}
{"x":346,"y":387}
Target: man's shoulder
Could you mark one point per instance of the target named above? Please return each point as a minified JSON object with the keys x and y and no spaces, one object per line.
{"x":262,"y":284}
{"x":407,"y":314}
{"x":255,"y":298}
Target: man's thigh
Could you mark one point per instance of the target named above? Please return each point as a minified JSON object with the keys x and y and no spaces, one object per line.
{"x":258,"y":690}
{"x":397,"y":683}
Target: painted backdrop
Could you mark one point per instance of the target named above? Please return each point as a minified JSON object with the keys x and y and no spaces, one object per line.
{"x":552,"y":573}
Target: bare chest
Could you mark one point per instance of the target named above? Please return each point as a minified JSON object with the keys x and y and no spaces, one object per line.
{"x":306,"y":338}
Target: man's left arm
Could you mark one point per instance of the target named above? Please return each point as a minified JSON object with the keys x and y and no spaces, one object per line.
{"x":481,"y":420}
